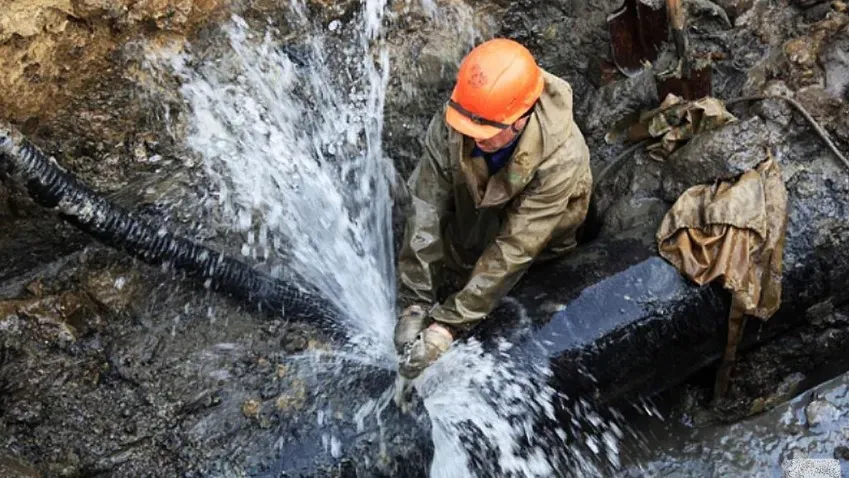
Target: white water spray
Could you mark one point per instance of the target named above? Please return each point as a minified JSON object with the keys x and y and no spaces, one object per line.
{"x":296,"y":162}
{"x":294,"y":157}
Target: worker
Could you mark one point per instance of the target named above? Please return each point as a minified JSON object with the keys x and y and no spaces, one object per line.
{"x":504,"y":180}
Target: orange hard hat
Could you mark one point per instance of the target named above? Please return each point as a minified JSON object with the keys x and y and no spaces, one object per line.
{"x":498,"y":81}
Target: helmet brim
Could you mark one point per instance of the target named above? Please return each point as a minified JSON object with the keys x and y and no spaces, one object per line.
{"x":466,"y":126}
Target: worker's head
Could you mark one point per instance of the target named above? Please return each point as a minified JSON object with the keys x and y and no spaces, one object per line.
{"x":497,"y":86}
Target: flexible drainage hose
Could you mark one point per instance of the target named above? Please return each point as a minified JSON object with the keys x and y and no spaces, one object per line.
{"x":52,"y":187}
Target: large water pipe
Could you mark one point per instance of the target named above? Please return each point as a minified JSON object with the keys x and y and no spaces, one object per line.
{"x":619,"y":322}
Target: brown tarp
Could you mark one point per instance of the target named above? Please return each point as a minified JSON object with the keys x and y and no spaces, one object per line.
{"x":672,"y":124}
{"x":732,"y":231}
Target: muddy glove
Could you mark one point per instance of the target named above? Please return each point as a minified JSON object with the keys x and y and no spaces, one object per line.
{"x":413,"y":320}
{"x":430,"y":344}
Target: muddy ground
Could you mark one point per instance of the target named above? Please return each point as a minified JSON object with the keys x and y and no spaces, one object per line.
{"x":111,"y":368}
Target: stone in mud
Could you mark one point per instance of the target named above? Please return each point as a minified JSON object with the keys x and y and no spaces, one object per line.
{"x":735,"y":8}
{"x":841,"y":452}
{"x":835,"y":60}
{"x":295,"y":341}
{"x":721,"y":154}
{"x":113,"y":289}
{"x":629,"y":213}
{"x":11,"y":467}
{"x":786,"y":390}
{"x":59,"y":318}
{"x":807,"y":3}
{"x":616,"y":101}
{"x":251,"y":408}
{"x":771,"y":109}
{"x":820,"y":412}
{"x":293,"y":399}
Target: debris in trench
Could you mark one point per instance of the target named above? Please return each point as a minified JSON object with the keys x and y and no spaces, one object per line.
{"x":251,"y":408}
{"x":60,"y":318}
{"x":732,"y":231}
{"x":11,"y":467}
{"x":787,"y":389}
{"x":672,"y":124}
{"x":676,"y":121}
{"x":294,"y":399}
{"x":801,"y":109}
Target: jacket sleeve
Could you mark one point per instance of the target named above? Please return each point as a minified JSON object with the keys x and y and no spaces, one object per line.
{"x":421,"y":258}
{"x":550,"y":206}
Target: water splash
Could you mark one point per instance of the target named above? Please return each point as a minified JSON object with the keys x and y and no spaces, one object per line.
{"x":293,"y":155}
{"x":296,"y":162}
{"x":494,"y":413}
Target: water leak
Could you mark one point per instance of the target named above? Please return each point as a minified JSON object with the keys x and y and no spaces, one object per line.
{"x":494,"y":413}
{"x":295,"y":162}
{"x":292,"y":152}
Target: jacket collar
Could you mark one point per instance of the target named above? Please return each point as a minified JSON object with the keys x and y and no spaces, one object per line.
{"x":509,"y":181}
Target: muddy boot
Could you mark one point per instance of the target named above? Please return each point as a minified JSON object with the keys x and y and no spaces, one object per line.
{"x":412,"y":321}
{"x":431,"y":343}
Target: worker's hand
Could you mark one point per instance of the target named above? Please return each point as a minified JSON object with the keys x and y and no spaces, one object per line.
{"x":413,"y":320}
{"x":430,"y":344}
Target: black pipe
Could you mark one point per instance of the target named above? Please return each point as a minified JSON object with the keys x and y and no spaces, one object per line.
{"x":52,"y":187}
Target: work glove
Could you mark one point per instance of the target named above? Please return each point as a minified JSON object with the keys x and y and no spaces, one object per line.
{"x":413,"y":320}
{"x":428,"y":346}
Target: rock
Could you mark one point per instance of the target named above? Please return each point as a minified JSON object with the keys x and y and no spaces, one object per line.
{"x":629,"y":213}
{"x":707,"y":8}
{"x":113,"y":288}
{"x":251,"y":408}
{"x":295,"y":341}
{"x":817,"y":12}
{"x":835,"y":60}
{"x":439,"y":59}
{"x":294,"y":398}
{"x":820,"y":411}
{"x":807,"y":3}
{"x":735,"y":8}
{"x":69,"y":44}
{"x":841,"y":452}
{"x":776,"y":110}
{"x":615,"y":101}
{"x":721,"y":154}
{"x":786,"y":390}
{"x":11,"y":467}
{"x":59,"y":318}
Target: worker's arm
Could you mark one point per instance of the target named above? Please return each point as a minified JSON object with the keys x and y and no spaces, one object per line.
{"x":554,"y":203}
{"x":421,"y":259}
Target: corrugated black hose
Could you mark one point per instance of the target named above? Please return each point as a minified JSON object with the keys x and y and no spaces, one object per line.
{"x":52,"y":187}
